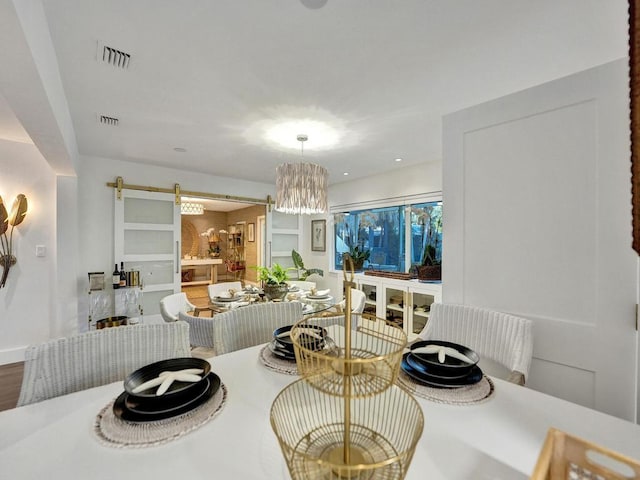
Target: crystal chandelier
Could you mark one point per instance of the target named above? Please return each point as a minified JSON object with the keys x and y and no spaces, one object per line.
{"x":301,"y":187}
{"x":191,"y":208}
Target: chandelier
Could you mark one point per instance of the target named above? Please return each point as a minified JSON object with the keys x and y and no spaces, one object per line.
{"x":191,"y":208}
{"x":301,"y":187}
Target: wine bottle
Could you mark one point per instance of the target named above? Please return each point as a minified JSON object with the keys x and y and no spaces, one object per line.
{"x":116,"y":277}
{"x":123,"y":276}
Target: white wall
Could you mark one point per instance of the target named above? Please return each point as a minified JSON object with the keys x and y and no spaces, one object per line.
{"x":404,"y":181}
{"x":27,"y":310}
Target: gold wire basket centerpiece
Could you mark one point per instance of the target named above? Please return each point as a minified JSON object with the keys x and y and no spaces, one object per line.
{"x":383,"y":431}
{"x":345,"y":418}
{"x":372,"y":365}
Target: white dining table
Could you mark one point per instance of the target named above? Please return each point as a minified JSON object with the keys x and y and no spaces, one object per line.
{"x":498,"y":439}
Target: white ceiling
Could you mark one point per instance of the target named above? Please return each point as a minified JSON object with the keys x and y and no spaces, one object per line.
{"x":210,"y":75}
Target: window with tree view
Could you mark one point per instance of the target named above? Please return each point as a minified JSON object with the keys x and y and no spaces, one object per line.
{"x":397,"y":238}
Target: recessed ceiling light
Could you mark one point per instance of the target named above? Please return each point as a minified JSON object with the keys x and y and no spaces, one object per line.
{"x":398,"y":159}
{"x":180,"y":149}
{"x":346,"y":173}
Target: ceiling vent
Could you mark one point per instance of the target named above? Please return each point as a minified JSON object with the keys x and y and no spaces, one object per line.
{"x":108,"y":120}
{"x":113,"y":56}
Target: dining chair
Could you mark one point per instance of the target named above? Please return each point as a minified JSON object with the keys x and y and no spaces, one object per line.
{"x":358,"y":298}
{"x":301,"y":284}
{"x":252,"y":325}
{"x":200,"y":329}
{"x":174,"y":303}
{"x":216,"y":289}
{"x":99,"y":357}
{"x":504,"y":342}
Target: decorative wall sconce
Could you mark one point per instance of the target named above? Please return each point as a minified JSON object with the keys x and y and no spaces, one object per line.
{"x":13,"y":219}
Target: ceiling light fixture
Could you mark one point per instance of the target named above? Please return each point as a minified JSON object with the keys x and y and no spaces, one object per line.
{"x":301,"y":187}
{"x":398,"y":159}
{"x":191,"y":208}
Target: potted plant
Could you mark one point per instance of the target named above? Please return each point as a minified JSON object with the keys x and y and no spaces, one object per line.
{"x":273,"y":280}
{"x":359,"y":255}
{"x":303,"y":272}
{"x":430,"y":267}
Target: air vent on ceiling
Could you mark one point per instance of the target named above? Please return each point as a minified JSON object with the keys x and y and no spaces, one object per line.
{"x":113,"y":56}
{"x":108,"y":120}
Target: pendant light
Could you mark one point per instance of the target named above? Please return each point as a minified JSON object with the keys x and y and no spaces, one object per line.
{"x":301,"y":187}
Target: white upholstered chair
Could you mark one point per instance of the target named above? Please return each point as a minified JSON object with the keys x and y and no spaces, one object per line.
{"x":216,"y":289}
{"x":504,"y":342}
{"x":302,"y":284}
{"x":252,"y":325}
{"x":174,"y":303}
{"x":95,"y":358}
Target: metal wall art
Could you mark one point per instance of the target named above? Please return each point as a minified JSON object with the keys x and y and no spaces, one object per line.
{"x":8,"y":222}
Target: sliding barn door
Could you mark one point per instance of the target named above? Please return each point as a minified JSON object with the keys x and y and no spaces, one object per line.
{"x":147,"y":239}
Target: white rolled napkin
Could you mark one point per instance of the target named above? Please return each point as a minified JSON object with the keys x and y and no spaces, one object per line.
{"x":321,"y":293}
{"x":224,"y":295}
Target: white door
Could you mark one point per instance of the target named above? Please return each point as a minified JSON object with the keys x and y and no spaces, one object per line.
{"x":537,"y":222}
{"x":147,"y":239}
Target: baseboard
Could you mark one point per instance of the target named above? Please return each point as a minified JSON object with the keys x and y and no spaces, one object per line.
{"x":12,"y":355}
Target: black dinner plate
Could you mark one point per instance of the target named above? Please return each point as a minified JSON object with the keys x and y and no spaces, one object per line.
{"x":450,"y":364}
{"x":280,"y":352}
{"x":286,"y":343}
{"x":473,"y":377}
{"x":137,"y":415}
{"x":427,"y":369}
{"x":144,"y":407}
{"x":151,"y":371}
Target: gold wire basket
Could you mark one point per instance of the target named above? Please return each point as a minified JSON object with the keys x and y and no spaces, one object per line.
{"x":345,"y":418}
{"x":371,"y":367}
{"x":310,"y":425}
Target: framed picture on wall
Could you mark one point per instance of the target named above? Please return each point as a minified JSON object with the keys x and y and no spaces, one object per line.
{"x":318,"y":235}
{"x":251,"y":232}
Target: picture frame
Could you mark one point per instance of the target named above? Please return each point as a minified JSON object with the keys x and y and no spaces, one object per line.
{"x":251,"y":232}
{"x":318,"y":235}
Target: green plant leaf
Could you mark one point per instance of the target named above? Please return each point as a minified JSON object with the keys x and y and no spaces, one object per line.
{"x":297,"y":259}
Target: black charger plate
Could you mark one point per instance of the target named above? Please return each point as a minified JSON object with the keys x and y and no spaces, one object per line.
{"x":473,"y":377}
{"x":139,"y":411}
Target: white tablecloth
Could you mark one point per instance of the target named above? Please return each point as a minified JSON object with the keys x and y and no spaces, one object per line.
{"x":500,"y":438}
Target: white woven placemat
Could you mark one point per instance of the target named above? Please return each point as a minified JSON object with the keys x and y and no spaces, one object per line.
{"x":117,"y":433}
{"x":277,"y":364}
{"x":469,"y":395}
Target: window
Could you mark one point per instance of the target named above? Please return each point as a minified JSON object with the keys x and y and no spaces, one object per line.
{"x":381,"y":233}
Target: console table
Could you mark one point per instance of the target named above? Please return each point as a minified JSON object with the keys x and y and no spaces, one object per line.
{"x":199,"y":262}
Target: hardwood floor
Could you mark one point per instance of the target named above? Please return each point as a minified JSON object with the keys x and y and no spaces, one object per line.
{"x":10,"y":382}
{"x":11,"y":374}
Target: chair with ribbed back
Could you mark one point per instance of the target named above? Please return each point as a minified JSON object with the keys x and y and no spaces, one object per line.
{"x":174,"y":303}
{"x":200,"y":329}
{"x":499,"y":338}
{"x":216,"y":289}
{"x":252,"y":325}
{"x":99,"y":357}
